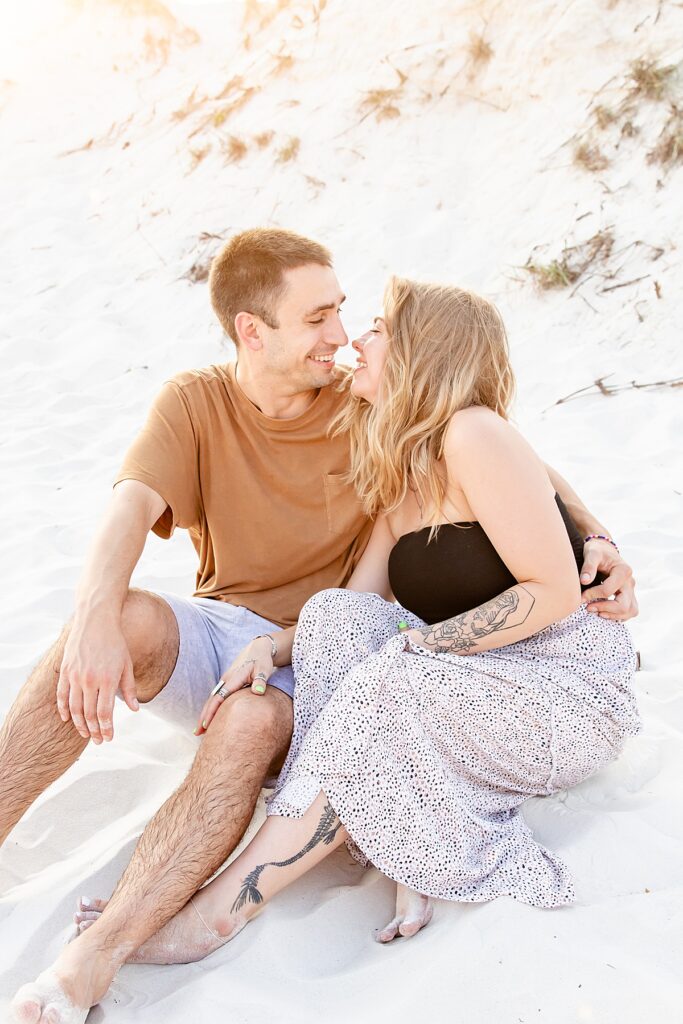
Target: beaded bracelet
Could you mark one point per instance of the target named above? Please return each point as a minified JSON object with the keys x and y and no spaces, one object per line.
{"x":600,"y":536}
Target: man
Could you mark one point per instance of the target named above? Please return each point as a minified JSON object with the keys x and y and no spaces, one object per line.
{"x":240,"y":456}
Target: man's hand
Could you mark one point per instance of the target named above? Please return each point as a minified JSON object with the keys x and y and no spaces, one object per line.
{"x":600,"y":556}
{"x":95,"y":665}
{"x":252,"y":667}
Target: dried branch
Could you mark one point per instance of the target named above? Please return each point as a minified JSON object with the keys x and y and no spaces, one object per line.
{"x":609,"y":390}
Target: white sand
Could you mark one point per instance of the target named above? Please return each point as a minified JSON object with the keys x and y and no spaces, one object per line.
{"x":472,"y":172}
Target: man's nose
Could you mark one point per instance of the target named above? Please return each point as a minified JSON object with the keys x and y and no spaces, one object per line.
{"x":336,"y":335}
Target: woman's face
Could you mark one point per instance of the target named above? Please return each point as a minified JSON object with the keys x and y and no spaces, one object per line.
{"x":372,"y":348}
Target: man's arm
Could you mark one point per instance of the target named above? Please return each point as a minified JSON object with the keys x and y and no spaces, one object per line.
{"x":585,"y":520}
{"x":96,"y":659}
{"x":599,"y":556}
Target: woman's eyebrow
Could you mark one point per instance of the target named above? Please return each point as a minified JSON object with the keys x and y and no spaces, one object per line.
{"x":376,"y":319}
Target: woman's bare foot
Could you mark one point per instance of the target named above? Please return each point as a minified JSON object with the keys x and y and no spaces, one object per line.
{"x":194,"y":932}
{"x":413,"y":912}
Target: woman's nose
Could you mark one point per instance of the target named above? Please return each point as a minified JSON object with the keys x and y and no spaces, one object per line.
{"x":358,"y":344}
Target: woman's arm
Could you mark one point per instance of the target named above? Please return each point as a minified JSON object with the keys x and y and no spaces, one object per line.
{"x":508,"y":490}
{"x":371,"y":575}
{"x":512,"y":614}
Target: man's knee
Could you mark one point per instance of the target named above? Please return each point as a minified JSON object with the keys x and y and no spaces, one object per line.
{"x":256,"y":723}
{"x":46,"y":672}
{"x":150,"y":630}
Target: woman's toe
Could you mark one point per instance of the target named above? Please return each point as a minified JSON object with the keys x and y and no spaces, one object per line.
{"x":412,"y":925}
{"x":413,"y":912}
{"x":409,"y":928}
{"x":389,"y":932}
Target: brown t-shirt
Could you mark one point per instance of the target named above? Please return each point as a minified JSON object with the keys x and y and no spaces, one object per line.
{"x":264,"y":500}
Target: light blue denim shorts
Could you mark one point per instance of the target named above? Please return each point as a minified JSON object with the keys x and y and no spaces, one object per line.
{"x":212,"y":634}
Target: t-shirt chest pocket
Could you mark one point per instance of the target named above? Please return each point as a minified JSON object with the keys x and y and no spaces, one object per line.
{"x":342,"y":506}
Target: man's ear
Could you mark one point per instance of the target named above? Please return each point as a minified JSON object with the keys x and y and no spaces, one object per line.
{"x":248,"y":330}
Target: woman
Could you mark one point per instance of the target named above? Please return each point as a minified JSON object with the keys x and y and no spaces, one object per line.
{"x":417,"y":741}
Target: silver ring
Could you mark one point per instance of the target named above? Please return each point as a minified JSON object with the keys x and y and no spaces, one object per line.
{"x":219,"y":690}
{"x":261,"y":675}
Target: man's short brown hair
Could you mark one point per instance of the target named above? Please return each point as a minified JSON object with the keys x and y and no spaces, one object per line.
{"x":247,"y":274}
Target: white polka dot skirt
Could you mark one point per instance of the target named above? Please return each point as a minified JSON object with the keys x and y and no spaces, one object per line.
{"x":427,"y":758}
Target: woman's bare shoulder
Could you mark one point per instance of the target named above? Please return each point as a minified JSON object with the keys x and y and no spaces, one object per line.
{"x":477,"y":425}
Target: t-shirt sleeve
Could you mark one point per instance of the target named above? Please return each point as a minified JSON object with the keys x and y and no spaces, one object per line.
{"x":164,"y":456}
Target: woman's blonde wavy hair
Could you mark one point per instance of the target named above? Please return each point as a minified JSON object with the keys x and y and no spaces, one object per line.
{"x":448,"y":350}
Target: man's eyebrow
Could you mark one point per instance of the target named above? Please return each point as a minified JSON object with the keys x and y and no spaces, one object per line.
{"x":327,"y":305}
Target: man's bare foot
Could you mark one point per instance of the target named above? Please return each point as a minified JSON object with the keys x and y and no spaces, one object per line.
{"x":194,"y":932}
{"x":64,"y":993}
{"x":413,"y":912}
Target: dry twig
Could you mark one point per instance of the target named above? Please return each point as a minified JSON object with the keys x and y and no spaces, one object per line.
{"x":609,"y":390}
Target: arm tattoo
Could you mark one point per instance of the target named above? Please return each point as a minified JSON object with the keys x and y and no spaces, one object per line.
{"x":460,"y":634}
{"x":328,"y":826}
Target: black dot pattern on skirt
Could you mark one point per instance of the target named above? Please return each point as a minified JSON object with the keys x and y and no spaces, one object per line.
{"x":426,"y":758}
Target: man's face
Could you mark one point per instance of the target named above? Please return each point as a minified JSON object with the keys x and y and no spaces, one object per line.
{"x":302,"y":348}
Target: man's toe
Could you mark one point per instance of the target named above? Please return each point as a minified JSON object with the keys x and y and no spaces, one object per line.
{"x":86,"y":915}
{"x":86,"y":904}
{"x":26,"y":1008}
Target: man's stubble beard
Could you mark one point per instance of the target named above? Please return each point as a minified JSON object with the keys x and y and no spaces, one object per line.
{"x":298,"y":378}
{"x":303,"y":379}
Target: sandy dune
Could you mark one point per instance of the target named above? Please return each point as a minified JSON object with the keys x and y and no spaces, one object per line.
{"x":132,"y":132}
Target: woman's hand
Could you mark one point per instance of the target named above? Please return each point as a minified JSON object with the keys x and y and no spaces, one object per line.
{"x":601,"y":556}
{"x":415,"y":637}
{"x":253,"y":667}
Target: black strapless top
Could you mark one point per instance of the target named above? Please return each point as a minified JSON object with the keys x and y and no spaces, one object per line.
{"x":458,"y":571}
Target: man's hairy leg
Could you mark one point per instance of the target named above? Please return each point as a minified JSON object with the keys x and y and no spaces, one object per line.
{"x":282,"y":851}
{"x":191,"y":835}
{"x":186,"y":841}
{"x":36,"y":746}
